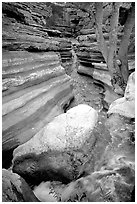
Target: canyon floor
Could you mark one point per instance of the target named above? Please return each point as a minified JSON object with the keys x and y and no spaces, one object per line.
{"x":89,"y":91}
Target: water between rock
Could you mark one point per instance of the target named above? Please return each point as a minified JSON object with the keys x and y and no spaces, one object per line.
{"x":108,"y":173}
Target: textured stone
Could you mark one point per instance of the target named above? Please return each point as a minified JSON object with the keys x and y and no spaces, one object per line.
{"x":98,"y":74}
{"x":35,"y":90}
{"x":126,"y":105}
{"x":26,"y":29}
{"x":113,"y":179}
{"x":32,"y":13}
{"x":103,"y":186}
{"x":55,"y":151}
{"x":17,"y":36}
{"x":89,"y":54}
{"x":15,"y":189}
{"x":109,"y":96}
{"x":35,"y":87}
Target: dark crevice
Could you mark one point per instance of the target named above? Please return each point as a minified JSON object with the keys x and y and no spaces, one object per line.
{"x":67,"y":105}
{"x":7,"y":158}
{"x":11,"y":11}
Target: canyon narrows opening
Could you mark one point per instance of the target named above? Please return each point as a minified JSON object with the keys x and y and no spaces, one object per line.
{"x":68,"y":102}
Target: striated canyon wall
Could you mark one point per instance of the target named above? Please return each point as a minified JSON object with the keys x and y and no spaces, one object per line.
{"x":35,"y":85}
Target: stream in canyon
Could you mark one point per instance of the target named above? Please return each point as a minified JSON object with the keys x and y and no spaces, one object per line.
{"x":113,"y":149}
{"x":66,"y":136}
{"x":104,"y":166}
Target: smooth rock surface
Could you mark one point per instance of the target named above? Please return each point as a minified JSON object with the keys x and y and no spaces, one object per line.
{"x":15,"y":189}
{"x":98,"y":74}
{"x":130,"y":88}
{"x":68,"y":130}
{"x":44,"y":192}
{"x":56,"y":150}
{"x":125,"y":106}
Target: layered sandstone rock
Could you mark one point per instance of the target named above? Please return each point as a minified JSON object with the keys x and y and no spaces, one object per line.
{"x":46,"y":14}
{"x":33,"y":38}
{"x":90,"y":57}
{"x":98,"y":74}
{"x":87,"y":31}
{"x":15,"y":189}
{"x":35,"y":86}
{"x":35,"y":90}
{"x":56,"y":152}
{"x":88,"y":50}
{"x":27,"y":28}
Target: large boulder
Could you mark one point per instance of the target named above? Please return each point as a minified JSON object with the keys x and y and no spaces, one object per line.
{"x":15,"y":189}
{"x":35,"y":90}
{"x":113,"y":179}
{"x":56,"y":152}
{"x":125,"y":106}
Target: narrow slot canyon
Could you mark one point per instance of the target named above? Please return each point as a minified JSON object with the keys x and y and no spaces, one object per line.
{"x":68,"y":132}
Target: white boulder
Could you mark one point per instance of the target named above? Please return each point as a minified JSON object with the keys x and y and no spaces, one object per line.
{"x":68,"y":130}
{"x":58,"y":151}
{"x":125,"y":106}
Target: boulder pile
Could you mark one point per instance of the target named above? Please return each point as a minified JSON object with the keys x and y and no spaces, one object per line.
{"x":56,"y":152}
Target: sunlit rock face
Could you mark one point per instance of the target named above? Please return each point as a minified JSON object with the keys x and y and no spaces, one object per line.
{"x":125,"y":106}
{"x":92,"y":63}
{"x":57,"y":151}
{"x":33,"y":27}
{"x":34,"y":83}
{"x":15,"y":189}
{"x":35,"y":90}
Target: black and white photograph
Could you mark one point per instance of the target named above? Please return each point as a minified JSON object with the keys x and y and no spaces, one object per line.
{"x":68,"y":101}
